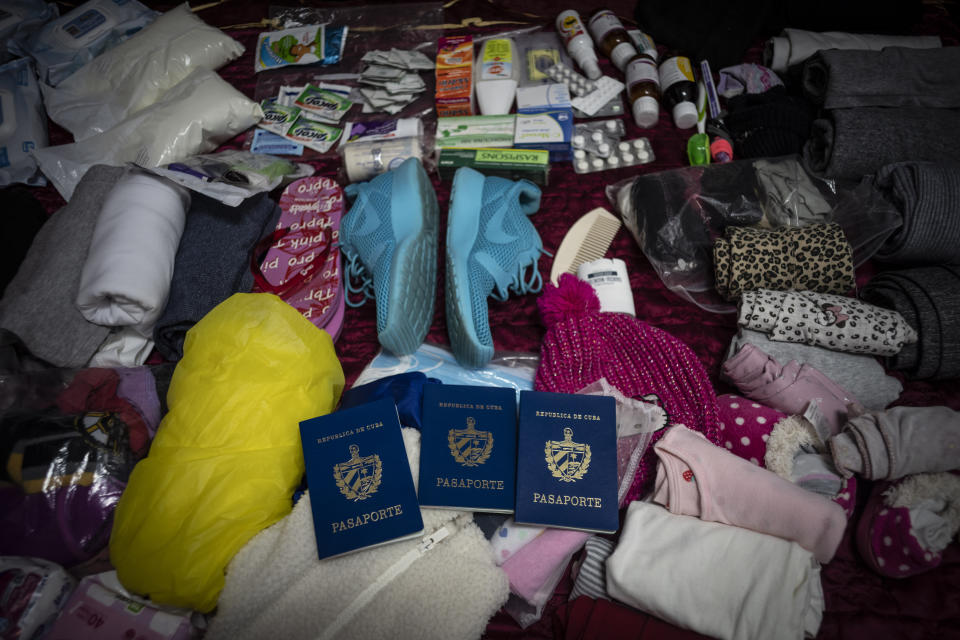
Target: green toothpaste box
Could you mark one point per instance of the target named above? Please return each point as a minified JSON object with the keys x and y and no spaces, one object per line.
{"x":531,"y":164}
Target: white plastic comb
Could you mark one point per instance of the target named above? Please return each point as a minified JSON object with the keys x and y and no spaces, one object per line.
{"x":587,"y":240}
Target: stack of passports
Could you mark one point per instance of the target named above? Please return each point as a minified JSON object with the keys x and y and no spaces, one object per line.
{"x":468,"y":451}
{"x":567,"y":461}
{"x":361,"y":489}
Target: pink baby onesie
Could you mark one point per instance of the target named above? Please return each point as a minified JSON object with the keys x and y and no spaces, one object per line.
{"x":698,"y":478}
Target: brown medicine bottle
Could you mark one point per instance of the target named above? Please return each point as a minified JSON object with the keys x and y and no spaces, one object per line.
{"x":643,"y":89}
{"x":611,"y":37}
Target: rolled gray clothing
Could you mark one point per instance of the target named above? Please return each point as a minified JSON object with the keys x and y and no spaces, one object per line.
{"x":928,"y":299}
{"x":861,"y":375}
{"x":891,"y":77}
{"x":927,"y":194}
{"x":39,"y":304}
{"x":794,"y":46}
{"x":212,"y":263}
{"x":902,"y":441}
{"x":852,"y":143}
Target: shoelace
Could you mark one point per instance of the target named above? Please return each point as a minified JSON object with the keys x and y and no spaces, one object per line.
{"x":521,"y":283}
{"x":356,"y":271}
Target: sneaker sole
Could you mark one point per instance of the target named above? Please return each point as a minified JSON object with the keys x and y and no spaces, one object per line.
{"x":463,"y":224}
{"x":413,"y":268}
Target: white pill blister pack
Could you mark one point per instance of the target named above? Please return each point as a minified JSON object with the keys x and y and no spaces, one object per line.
{"x":625,"y":153}
{"x":579,"y":85}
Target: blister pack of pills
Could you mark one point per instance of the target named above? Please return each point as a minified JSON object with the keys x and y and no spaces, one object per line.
{"x":577,"y":84}
{"x":598,"y":137}
{"x":625,"y":153}
{"x":607,"y":89}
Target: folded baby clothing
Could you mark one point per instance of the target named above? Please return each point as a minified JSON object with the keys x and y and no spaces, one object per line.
{"x":928,"y":298}
{"x":861,"y":375}
{"x":277,"y":587}
{"x":816,"y":257}
{"x":889,"y":77}
{"x":126,"y":277}
{"x":796,"y":453}
{"x":891,"y":444}
{"x":788,"y":195}
{"x":212,"y":263}
{"x":789,"y":388}
{"x":825,"y":320}
{"x":591,"y":569}
{"x":848,"y":144}
{"x":794,"y":46}
{"x":697,"y":478}
{"x":39,"y":304}
{"x":745,"y":426}
{"x":907,"y":524}
{"x":722,"y":581}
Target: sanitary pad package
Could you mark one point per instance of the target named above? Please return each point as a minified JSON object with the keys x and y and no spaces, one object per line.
{"x":23,"y":124}
{"x":64,"y":45}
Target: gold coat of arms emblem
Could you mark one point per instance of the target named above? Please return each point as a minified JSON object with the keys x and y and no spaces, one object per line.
{"x":566,"y":459}
{"x":359,"y":477}
{"x":470,"y":447}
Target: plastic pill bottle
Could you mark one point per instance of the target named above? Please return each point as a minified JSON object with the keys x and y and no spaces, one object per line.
{"x":679,"y":90}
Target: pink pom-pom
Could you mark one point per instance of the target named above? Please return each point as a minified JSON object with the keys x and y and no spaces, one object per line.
{"x":572,"y":298}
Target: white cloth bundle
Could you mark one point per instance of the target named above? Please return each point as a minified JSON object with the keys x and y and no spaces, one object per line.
{"x":719,"y":580}
{"x":794,"y":46}
{"x":126,"y":277}
{"x":134,"y":74}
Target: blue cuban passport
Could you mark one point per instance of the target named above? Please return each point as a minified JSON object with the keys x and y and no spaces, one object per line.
{"x":567,"y":461}
{"x":468,"y":450}
{"x":361,"y":490}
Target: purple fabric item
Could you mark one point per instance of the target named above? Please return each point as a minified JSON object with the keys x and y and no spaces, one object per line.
{"x":745,"y":426}
{"x":138,"y":387}
{"x":788,"y":388}
{"x":583,"y":344}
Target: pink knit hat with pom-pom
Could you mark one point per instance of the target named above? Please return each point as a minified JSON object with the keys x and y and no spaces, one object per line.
{"x":583,"y":344}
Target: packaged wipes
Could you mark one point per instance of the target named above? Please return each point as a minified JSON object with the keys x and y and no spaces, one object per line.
{"x":23,"y":124}
{"x":64,"y":45}
{"x":300,"y":45}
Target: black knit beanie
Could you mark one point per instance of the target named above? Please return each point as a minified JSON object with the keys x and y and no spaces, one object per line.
{"x":768,"y":124}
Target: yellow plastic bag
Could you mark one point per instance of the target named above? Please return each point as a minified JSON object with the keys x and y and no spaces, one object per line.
{"x":227,"y":456}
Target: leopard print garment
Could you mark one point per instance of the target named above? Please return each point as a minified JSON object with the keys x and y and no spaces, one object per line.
{"x":813,"y":258}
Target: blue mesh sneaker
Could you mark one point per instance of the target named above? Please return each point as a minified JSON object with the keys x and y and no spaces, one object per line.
{"x":492,"y":249}
{"x":389,"y":244}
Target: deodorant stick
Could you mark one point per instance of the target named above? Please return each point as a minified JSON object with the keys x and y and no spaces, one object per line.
{"x":609,"y":278}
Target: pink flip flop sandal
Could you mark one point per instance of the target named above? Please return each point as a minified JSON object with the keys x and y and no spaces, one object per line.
{"x":302,"y":257}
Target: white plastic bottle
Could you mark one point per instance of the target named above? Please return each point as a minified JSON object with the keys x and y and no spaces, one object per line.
{"x":578,"y":42}
{"x":496,"y":76}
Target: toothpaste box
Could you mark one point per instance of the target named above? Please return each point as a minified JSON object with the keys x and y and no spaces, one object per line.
{"x":475,"y":131}
{"x":550,"y":130}
{"x":543,"y":97}
{"x":531,"y":164}
{"x":454,"y":93}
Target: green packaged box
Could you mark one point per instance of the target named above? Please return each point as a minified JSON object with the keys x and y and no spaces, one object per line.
{"x":475,"y":131}
{"x":531,"y":164}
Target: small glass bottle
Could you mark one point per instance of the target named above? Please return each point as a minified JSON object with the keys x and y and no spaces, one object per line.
{"x":643,"y":89}
{"x":611,"y":37}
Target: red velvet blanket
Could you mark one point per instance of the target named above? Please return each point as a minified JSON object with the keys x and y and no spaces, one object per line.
{"x":859,"y":603}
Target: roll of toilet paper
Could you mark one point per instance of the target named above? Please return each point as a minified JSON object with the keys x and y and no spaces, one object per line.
{"x":609,"y":278}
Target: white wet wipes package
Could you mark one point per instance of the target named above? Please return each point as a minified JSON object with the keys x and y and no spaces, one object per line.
{"x":134,"y":74}
{"x":195,"y":116}
{"x":23,"y":125}
{"x":64,"y":45}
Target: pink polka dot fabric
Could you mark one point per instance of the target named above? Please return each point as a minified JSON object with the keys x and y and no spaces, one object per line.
{"x":885,"y":541}
{"x":847,"y":498}
{"x":745,"y":426}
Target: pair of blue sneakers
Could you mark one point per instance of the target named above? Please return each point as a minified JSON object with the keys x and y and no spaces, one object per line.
{"x":389,"y":242}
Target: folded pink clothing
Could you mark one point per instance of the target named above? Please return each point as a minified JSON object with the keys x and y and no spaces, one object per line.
{"x":536,"y":563}
{"x":788,"y":388}
{"x":697,"y":478}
